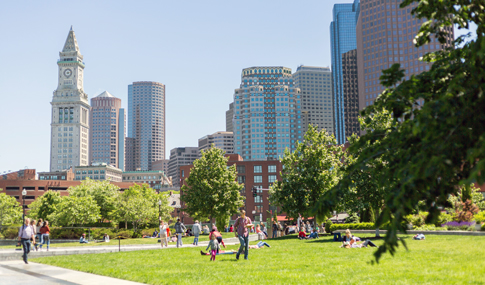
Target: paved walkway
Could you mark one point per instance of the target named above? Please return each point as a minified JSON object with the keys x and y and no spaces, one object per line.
{"x":16,"y":272}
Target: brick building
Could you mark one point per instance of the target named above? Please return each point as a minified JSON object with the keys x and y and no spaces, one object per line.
{"x":251,"y":173}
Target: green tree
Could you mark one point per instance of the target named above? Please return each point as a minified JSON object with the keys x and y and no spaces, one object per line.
{"x":432,"y":148}
{"x":75,"y":211}
{"x":308,"y":172}
{"x":10,"y":210}
{"x":212,"y":191}
{"x":139,"y":205}
{"x":44,"y":205}
{"x":103,"y":192}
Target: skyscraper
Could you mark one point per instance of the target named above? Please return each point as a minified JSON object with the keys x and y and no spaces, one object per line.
{"x":343,"y":39}
{"x":70,"y":111}
{"x":222,"y":140}
{"x":385,"y":36}
{"x":229,"y":117}
{"x":178,"y":157}
{"x":315,"y":84}
{"x":351,"y":93}
{"x":267,"y":113}
{"x":107,"y":121}
{"x":146,"y":123}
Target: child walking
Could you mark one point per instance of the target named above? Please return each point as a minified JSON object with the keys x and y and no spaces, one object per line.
{"x":214,"y":246}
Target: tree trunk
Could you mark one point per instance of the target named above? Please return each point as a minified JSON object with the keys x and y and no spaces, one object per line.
{"x":126,"y":225}
{"x":376,"y":211}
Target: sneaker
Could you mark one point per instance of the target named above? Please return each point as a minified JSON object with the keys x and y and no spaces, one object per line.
{"x":40,"y":249}
{"x":237,"y":256}
{"x":202,"y":253}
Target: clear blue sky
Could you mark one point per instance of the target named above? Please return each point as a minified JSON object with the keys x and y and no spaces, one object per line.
{"x":196,"y":48}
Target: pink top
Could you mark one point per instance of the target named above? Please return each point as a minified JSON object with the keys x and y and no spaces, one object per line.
{"x":241,"y":226}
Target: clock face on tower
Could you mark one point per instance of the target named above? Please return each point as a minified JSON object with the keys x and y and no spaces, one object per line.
{"x":67,"y":72}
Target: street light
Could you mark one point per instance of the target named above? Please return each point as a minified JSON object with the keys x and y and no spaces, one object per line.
{"x":24,"y":192}
{"x":159,"y":207}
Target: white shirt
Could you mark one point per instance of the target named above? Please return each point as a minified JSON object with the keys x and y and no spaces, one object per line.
{"x":26,"y":232}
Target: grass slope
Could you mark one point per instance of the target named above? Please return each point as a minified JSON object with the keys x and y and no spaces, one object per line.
{"x":436,"y":260}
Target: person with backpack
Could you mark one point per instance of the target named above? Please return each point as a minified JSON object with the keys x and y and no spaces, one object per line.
{"x":26,"y":233}
{"x":242,"y":225}
{"x":196,"y":230}
{"x":179,"y":230}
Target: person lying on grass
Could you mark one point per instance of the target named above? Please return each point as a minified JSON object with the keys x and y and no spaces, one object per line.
{"x":354,"y":244}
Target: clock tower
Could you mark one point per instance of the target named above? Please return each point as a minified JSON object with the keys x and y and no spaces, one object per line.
{"x":70,"y":111}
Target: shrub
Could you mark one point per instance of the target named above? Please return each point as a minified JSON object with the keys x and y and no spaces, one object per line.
{"x":428,"y":228}
{"x":467,"y":212}
{"x":443,"y":218}
{"x":60,"y":233}
{"x":359,"y":226}
{"x":480,"y":217}
{"x":99,"y":233}
{"x":328,"y":226}
{"x":125,"y":234}
{"x":352,"y":219}
{"x":10,"y":233}
{"x":483,"y":227}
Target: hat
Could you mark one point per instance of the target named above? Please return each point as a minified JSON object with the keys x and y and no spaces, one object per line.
{"x":84,"y":234}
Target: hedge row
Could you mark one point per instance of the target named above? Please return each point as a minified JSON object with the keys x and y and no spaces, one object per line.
{"x":359,"y":226}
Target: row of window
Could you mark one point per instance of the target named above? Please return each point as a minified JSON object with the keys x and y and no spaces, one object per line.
{"x":90,"y":172}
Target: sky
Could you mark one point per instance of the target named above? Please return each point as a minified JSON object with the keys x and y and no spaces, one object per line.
{"x":196,"y":48}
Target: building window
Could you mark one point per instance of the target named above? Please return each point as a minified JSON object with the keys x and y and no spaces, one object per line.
{"x":258,"y":179}
{"x":241,"y":179}
{"x":241,"y":169}
{"x":258,"y":169}
{"x":272,"y":168}
{"x":183,"y":173}
{"x":271,"y":178}
{"x":258,"y":199}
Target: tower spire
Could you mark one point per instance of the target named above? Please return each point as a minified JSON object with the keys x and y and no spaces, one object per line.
{"x":71,"y":42}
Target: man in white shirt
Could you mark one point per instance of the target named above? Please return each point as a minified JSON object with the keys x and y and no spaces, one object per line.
{"x":26,"y":232}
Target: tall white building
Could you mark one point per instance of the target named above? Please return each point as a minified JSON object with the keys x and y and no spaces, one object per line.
{"x":70,"y":111}
{"x":222,"y":140}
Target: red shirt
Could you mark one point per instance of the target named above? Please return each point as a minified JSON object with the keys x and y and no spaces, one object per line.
{"x":302,"y":234}
{"x":45,"y":230}
{"x":231,"y":229}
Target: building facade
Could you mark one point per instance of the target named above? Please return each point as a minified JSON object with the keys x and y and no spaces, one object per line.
{"x":229,"y":117}
{"x":155,"y":178}
{"x":57,"y":175}
{"x":98,"y":171}
{"x":178,"y":157}
{"x":343,"y":39}
{"x":70,"y":111}
{"x":351,"y":93}
{"x":267,"y":113}
{"x":107,"y":136}
{"x":385,"y":36}
{"x":146,"y":123}
{"x":315,"y":84}
{"x":161,"y":164}
{"x":222,"y":140}
{"x":259,"y":174}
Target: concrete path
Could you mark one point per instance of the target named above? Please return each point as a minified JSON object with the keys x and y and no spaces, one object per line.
{"x":12,"y":254}
{"x":16,"y":272}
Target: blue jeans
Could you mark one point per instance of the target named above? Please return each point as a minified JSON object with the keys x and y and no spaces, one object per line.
{"x":337,"y":237}
{"x":244,"y":241}
{"x":46,"y":239}
{"x":274,"y":233}
{"x":39,"y":240}
{"x":196,"y":239}
{"x":26,"y":247}
{"x":262,"y":243}
{"x":179,"y":240}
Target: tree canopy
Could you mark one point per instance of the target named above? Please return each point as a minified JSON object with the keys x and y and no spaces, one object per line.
{"x":10,"y":210}
{"x":212,"y":191}
{"x":429,"y":149}
{"x":44,"y":205}
{"x":74,"y":210}
{"x":308,"y":172}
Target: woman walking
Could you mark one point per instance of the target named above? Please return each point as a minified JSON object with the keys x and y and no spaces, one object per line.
{"x":163,"y":234}
{"x":196,"y":230}
{"x":242,"y":225}
{"x":45,"y":231}
{"x":38,"y":234}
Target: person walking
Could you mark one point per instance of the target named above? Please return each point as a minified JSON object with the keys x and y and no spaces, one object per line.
{"x":196,"y":230}
{"x":242,"y":226}
{"x":26,"y":233}
{"x":275,"y":229}
{"x":38,"y":234}
{"x":45,"y":231}
{"x":163,"y":234}
{"x":179,"y":230}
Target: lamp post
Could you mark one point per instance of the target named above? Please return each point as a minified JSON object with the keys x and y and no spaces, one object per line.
{"x":159,"y":207}
{"x":24,"y":192}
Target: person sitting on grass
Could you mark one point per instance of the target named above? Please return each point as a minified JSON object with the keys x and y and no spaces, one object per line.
{"x":354,"y":244}
{"x":214,"y":246}
{"x":155,"y":234}
{"x":206,"y":230}
{"x":348,"y":236}
{"x":83,"y":239}
{"x":105,"y":239}
{"x":260,"y":232}
{"x":314,"y":234}
{"x":231,"y":229}
{"x":302,"y":234}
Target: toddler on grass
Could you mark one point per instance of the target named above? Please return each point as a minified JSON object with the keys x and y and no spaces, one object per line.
{"x":214,"y":247}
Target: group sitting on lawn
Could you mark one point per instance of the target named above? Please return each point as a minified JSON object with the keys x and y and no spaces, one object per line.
{"x":351,"y":241}
{"x":303,"y":235}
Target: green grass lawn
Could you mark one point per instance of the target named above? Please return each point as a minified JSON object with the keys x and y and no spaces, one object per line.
{"x":136,"y":241}
{"x":436,"y":260}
